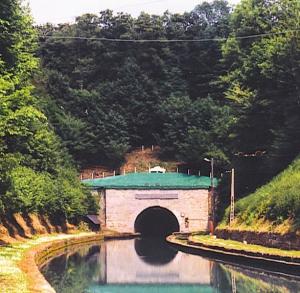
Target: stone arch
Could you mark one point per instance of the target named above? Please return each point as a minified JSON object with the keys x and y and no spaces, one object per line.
{"x":156,"y":221}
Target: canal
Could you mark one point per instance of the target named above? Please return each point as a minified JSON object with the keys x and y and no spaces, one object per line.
{"x":151,"y":265}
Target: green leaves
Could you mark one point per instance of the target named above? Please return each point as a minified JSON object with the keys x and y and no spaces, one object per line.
{"x":195,"y":130}
{"x":275,"y":202}
{"x":35,"y":172}
{"x":28,"y":190}
{"x":116,"y":89}
{"x":262,"y":87}
{"x":17,"y":40}
{"x":38,"y":192}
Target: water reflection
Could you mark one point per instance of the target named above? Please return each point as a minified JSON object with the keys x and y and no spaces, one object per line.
{"x":134,"y":262}
{"x":145,"y":265}
{"x":228,"y":278}
{"x":154,"y":251}
{"x":74,"y":272}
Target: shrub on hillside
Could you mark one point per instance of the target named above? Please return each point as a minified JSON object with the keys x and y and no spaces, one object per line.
{"x":277,"y":201}
{"x":38,"y":192}
{"x":36,"y":174}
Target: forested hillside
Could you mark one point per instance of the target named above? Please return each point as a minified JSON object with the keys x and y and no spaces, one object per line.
{"x":274,"y":206}
{"x":213,"y":82}
{"x":233,"y":96}
{"x":36,"y":173}
{"x":263,"y":87}
{"x":108,"y":96}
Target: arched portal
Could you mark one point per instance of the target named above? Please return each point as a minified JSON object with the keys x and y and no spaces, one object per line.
{"x":156,"y":222}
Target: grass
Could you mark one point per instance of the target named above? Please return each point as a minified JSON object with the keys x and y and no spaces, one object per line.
{"x":12,"y":278}
{"x":274,"y":207}
{"x":236,"y":245}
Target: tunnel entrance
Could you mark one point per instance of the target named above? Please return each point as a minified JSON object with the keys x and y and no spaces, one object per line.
{"x":156,"y":222}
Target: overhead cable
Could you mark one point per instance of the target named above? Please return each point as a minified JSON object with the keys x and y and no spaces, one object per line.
{"x":169,"y":40}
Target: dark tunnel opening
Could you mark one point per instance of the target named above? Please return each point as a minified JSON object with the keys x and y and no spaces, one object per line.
{"x":156,"y":222}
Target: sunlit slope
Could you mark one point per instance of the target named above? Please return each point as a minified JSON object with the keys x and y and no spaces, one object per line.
{"x":274,"y":206}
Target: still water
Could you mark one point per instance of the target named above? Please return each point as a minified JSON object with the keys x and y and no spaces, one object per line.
{"x":151,"y":265}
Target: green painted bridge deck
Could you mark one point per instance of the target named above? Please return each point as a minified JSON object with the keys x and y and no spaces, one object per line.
{"x":151,"y":181}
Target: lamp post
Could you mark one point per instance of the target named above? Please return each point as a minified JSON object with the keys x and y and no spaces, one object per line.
{"x":211,"y":170}
{"x":232,"y":197}
{"x":212,"y":194}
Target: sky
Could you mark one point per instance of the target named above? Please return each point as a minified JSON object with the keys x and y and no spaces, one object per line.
{"x":60,"y":11}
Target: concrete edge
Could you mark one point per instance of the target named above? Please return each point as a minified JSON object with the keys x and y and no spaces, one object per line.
{"x":39,"y":255}
{"x":281,"y":267}
{"x":255,"y":255}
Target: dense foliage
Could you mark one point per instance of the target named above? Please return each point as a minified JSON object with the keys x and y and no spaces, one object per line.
{"x":232,"y":97}
{"x":263,"y":87}
{"x":276,"y":202}
{"x":263,"y":90}
{"x":194,"y":129}
{"x":195,"y":100}
{"x":109,"y":96}
{"x":35,"y":173}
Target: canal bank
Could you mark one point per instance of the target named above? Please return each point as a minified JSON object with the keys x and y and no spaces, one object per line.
{"x":151,"y":265}
{"x":283,"y":261}
{"x":24,"y":259}
{"x":20,"y":261}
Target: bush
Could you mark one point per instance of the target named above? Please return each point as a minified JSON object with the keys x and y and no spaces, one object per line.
{"x":62,"y":196}
{"x":277,"y":201}
{"x":35,"y":170}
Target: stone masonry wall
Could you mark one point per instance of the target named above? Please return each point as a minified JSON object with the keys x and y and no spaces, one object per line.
{"x":289,"y":241}
{"x":122,"y":208}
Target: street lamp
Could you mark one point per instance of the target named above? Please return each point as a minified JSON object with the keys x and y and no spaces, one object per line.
{"x":232,"y":194}
{"x":212,"y":193}
{"x":232,"y":197}
{"x":211,"y":170}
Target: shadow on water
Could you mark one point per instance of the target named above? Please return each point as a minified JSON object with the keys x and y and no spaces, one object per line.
{"x":150,"y":265}
{"x":154,"y":251}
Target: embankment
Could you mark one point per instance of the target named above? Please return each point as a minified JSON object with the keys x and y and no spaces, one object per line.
{"x":288,"y":241}
{"x":229,"y":251}
{"x":38,"y":255}
{"x":19,"y":227}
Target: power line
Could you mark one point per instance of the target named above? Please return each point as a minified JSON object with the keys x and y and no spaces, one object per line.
{"x":169,"y":41}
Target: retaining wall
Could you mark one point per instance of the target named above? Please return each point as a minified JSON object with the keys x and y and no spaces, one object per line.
{"x":290,"y":241}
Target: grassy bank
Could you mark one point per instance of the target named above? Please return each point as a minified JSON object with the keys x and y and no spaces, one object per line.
{"x":12,"y":278}
{"x":273,"y":207}
{"x":207,"y":240}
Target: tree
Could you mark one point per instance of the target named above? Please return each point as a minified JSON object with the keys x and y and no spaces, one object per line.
{"x":32,"y":160}
{"x":195,"y":129}
{"x":263,"y":87}
{"x":123,"y":85}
